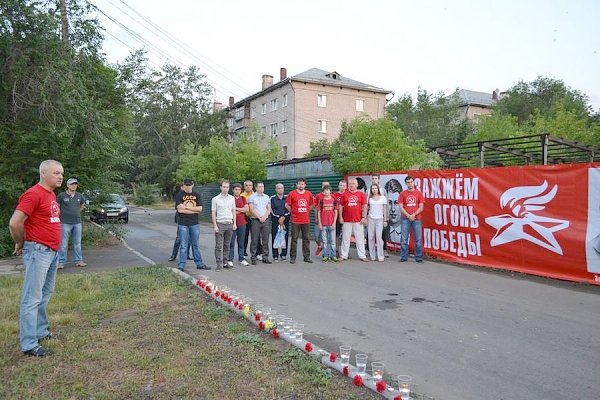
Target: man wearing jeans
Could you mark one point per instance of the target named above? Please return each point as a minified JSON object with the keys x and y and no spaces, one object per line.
{"x":260,"y":209}
{"x":35,"y":228}
{"x":239,"y":235}
{"x":71,"y":204}
{"x":300,"y":202}
{"x":411,"y":203}
{"x":223,"y":219}
{"x":189,"y":207}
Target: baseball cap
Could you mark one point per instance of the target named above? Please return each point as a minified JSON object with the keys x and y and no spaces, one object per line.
{"x":72,"y":180}
{"x":188,"y":181}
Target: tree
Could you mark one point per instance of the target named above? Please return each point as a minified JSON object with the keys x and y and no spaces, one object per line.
{"x":546,"y":95}
{"x":495,"y":126}
{"x":319,"y":148}
{"x":57,"y":100}
{"x":172,"y":109}
{"x":378,"y":145}
{"x":437,"y":120}
{"x":246,"y":158}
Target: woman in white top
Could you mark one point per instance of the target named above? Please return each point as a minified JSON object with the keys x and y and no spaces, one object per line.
{"x":377,"y":219}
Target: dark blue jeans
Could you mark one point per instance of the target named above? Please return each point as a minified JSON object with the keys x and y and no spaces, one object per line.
{"x":239,"y":237}
{"x":418,"y":234}
{"x":189,"y":234}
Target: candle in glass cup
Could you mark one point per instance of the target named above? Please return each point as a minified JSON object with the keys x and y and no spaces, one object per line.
{"x":377,"y":371}
{"x":345,"y":355}
{"x":404,"y":382}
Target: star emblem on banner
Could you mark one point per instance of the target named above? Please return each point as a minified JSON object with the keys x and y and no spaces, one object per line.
{"x":523,"y":223}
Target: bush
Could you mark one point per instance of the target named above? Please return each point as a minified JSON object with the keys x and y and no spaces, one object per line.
{"x":145,"y":194}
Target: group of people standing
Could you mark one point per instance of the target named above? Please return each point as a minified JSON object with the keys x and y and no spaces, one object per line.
{"x":251,"y":217}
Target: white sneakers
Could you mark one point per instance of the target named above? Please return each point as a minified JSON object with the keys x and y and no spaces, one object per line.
{"x":244,"y":263}
{"x":230,"y":263}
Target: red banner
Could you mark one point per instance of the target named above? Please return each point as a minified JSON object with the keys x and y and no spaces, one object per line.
{"x":542,"y":220}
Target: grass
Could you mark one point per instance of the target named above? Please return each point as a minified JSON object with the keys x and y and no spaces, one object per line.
{"x":144,"y":333}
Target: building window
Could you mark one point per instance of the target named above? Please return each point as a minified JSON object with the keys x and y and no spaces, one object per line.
{"x":253,"y":112}
{"x":274,"y":129}
{"x":239,"y":114}
{"x":285,"y":100}
{"x":273,"y":104}
{"x":322,"y":100}
{"x":264,"y":108}
{"x":360,"y":105}
{"x":322,"y":126}
{"x":284,"y":126}
{"x":284,"y":151}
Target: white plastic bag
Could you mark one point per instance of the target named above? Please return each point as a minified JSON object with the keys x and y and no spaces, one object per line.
{"x":279,"y":242}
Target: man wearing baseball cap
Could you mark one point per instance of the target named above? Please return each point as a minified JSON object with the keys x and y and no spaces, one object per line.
{"x":189,"y":206}
{"x":71,"y":204}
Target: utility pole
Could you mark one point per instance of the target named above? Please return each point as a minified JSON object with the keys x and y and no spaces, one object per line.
{"x":65,"y":21}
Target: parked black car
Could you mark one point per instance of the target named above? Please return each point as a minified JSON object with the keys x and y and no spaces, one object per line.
{"x":113,"y":209}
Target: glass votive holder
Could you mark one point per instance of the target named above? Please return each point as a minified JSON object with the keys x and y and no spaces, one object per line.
{"x":404,"y":383}
{"x":361,"y":364}
{"x":345,"y":355}
{"x":279,"y":322}
{"x":377,"y":371}
{"x":299,"y":328}
{"x":258,"y":309}
{"x":287,"y":324}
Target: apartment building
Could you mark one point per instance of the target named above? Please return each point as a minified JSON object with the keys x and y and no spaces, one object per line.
{"x":475,"y":104}
{"x":305,"y":108}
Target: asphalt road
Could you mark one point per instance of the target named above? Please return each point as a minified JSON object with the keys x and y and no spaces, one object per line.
{"x":460,"y":332}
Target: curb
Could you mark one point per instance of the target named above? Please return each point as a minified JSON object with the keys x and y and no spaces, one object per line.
{"x":211,"y":290}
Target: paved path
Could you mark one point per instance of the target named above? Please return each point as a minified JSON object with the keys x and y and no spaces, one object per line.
{"x":461,"y":332}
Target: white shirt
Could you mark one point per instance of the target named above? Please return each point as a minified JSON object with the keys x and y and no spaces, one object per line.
{"x":376,"y":207}
{"x":223,"y":205}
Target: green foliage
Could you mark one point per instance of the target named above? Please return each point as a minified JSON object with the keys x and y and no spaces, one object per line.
{"x":57,"y":101}
{"x":438,"y":120}
{"x":172,"y":114}
{"x":495,"y":126}
{"x":319,"y":148}
{"x":246,"y":158}
{"x":546,"y":95}
{"x":543,"y":106}
{"x":377,"y":145}
{"x":145,"y":194}
{"x":215,"y":312}
{"x":311,"y":371}
{"x":249,"y":339}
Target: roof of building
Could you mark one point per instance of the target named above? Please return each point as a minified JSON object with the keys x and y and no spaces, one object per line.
{"x":473,"y":98}
{"x":315,"y":75}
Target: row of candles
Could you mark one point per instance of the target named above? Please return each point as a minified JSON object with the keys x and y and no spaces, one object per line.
{"x":279,"y":325}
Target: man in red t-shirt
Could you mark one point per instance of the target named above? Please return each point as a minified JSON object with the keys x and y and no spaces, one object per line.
{"x":35,"y":228}
{"x":353,"y":217}
{"x":299,"y":202}
{"x":239,"y":235}
{"x":411,"y":203}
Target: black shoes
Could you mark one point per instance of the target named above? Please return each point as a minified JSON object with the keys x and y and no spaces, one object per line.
{"x":401,"y":260}
{"x":51,"y":336}
{"x":203,"y":267}
{"x":38,"y":351}
{"x":308,"y":260}
{"x":292,"y":261}
{"x":267,"y":261}
{"x":253,"y":262}
{"x":172,"y":258}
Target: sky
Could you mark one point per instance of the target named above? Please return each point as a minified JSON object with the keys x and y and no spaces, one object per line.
{"x":397,"y":45}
